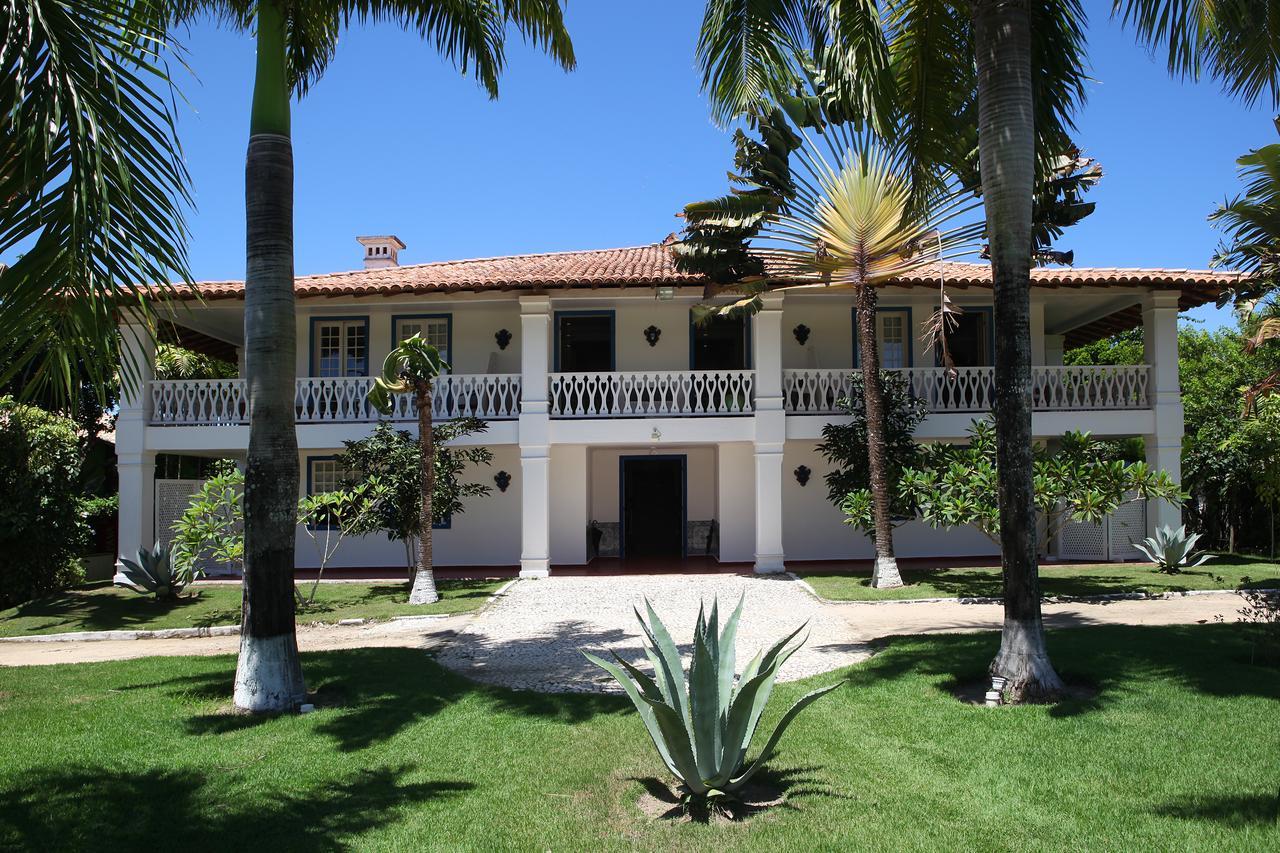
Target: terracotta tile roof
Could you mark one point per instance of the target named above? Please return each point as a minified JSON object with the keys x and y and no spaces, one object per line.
{"x":647,"y":266}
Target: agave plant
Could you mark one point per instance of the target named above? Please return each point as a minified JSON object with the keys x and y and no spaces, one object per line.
{"x":1170,"y":549}
{"x":701,"y":723}
{"x":154,"y":572}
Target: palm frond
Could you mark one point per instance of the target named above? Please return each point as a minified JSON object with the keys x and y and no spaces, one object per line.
{"x":93,"y":187}
{"x":747,"y":51}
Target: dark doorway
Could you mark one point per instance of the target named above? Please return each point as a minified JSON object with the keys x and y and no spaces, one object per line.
{"x":584,"y":342}
{"x":720,"y":344}
{"x":653,"y":506}
{"x":970,"y":341}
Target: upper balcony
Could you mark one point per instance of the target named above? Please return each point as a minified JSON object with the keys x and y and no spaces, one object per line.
{"x":650,"y":394}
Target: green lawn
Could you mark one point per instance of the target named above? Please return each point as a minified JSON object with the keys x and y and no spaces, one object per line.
{"x":102,"y":607}
{"x":1177,"y":751}
{"x":1103,"y":579}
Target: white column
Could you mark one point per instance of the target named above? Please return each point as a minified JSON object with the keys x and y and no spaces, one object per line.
{"x":535,"y":438}
{"x":771,"y":435}
{"x":1164,"y":445}
{"x":136,"y":464}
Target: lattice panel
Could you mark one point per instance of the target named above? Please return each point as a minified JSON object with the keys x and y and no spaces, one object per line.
{"x":1082,"y":541}
{"x":1128,"y":524}
{"x":172,"y":499}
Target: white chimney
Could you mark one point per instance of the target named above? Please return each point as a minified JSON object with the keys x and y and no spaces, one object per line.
{"x":381,"y":252}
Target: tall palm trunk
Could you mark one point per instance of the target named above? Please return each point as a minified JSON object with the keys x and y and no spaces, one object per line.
{"x":269,"y":673}
{"x":1002,"y":43}
{"x":885,"y":574}
{"x":424,"y":580}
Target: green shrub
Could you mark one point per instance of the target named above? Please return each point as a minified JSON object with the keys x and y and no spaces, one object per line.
{"x":42,"y":524}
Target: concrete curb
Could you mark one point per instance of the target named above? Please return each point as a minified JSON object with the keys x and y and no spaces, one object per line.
{"x":97,"y":636}
{"x":1056,"y":599}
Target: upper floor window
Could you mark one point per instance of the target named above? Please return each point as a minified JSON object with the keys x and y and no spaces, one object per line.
{"x":893,"y":338}
{"x":970,"y":342}
{"x":340,"y":347}
{"x":584,"y":341}
{"x":721,"y":343}
{"x":436,"y":329}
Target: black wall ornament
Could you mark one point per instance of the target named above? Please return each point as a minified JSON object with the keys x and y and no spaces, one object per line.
{"x":802,"y":475}
{"x":503,"y":480}
{"x":652,"y":334}
{"x":503,"y":337}
{"x":802,"y":333}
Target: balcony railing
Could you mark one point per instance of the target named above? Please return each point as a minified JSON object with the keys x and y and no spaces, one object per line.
{"x":656,"y":393}
{"x":211,"y":402}
{"x":972,"y":389}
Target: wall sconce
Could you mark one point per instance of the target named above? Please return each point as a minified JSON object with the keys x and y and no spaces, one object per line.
{"x":652,"y":334}
{"x":656,"y":435}
{"x":666,"y":293}
{"x":802,"y":333}
{"x":503,"y":337}
{"x":802,"y":475}
{"x":503,"y":480}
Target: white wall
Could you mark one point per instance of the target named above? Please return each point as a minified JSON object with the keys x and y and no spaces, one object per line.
{"x":736,"y":483}
{"x":569,"y":495}
{"x":813,"y":528}
{"x":486,"y":534}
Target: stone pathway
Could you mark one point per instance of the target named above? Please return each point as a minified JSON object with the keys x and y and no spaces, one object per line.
{"x":532,"y":637}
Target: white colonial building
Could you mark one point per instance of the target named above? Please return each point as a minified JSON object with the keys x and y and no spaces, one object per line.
{"x":619,"y":429}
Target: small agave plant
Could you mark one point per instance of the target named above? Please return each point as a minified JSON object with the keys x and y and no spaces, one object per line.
{"x":1171,"y":550}
{"x":702,"y":723}
{"x":153,"y":572}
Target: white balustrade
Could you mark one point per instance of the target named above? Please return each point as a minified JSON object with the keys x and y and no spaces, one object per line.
{"x":972,"y":389}
{"x":655,"y":393}
{"x":208,"y":402}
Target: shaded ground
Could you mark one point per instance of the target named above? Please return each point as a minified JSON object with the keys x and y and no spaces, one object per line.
{"x":1100,"y":579}
{"x":1176,"y":751}
{"x":102,"y":607}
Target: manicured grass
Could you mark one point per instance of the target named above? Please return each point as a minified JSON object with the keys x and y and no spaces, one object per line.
{"x":1102,"y":579}
{"x":102,"y":607}
{"x":1176,"y":751}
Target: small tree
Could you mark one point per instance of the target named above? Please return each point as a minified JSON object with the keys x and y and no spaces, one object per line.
{"x":212,"y":526}
{"x":329,"y":517}
{"x":955,"y":484}
{"x":392,"y":456}
{"x":845,"y":445}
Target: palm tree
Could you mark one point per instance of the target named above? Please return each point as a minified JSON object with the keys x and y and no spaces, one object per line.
{"x":1007,"y":77}
{"x":92,"y":191}
{"x":1252,"y":224}
{"x":848,"y":222}
{"x":411,"y":368}
{"x":295,"y":43}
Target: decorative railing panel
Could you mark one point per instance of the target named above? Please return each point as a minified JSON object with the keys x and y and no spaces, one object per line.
{"x":651,"y":394}
{"x":200,"y":402}
{"x":972,"y":389}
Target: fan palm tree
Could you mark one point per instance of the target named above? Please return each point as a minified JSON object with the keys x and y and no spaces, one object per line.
{"x":295,"y":41}
{"x":945,"y":76}
{"x":412,"y":368}
{"x":849,"y":223}
{"x":92,"y":191}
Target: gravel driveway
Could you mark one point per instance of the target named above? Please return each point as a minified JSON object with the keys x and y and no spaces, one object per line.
{"x":532,"y":637}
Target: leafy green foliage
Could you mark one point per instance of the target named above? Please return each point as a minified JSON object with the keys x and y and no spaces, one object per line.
{"x":1172,"y":550}
{"x":42,"y":528}
{"x":845,"y":445}
{"x":392,"y":456}
{"x":412,"y":364}
{"x":175,"y":362}
{"x":211,"y":528}
{"x":700,"y":722}
{"x":93,"y":188}
{"x":154,"y":572}
{"x":955,"y":484}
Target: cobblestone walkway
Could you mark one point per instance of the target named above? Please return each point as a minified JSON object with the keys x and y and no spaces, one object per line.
{"x":532,"y":637}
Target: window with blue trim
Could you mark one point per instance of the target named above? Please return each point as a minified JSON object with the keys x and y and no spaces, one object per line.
{"x":436,"y":329}
{"x":340,"y":347}
{"x":893,"y":338}
{"x":324,"y":474}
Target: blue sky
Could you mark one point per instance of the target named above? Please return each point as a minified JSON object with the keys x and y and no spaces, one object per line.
{"x":393,"y":140}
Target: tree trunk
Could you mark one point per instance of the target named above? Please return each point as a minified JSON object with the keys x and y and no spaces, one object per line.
{"x":1002,"y":43}
{"x":885,"y":574}
{"x":269,"y":673}
{"x":424,"y":580}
